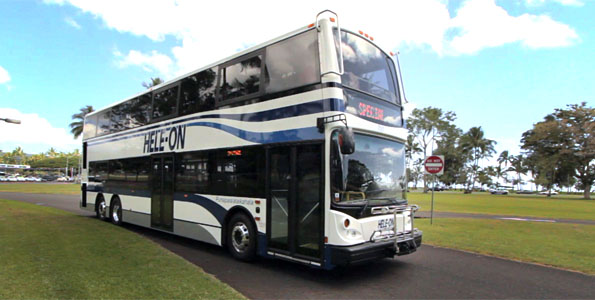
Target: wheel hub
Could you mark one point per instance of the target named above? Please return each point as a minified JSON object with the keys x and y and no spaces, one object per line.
{"x":102,"y":208}
{"x":240,"y":237}
{"x":115,"y":213}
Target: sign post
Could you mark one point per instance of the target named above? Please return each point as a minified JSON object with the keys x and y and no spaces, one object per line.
{"x":434,"y":165}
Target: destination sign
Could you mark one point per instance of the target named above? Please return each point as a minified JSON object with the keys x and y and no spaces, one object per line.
{"x":372,"y":109}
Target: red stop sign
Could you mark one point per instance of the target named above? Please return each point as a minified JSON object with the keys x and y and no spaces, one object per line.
{"x":434,"y":164}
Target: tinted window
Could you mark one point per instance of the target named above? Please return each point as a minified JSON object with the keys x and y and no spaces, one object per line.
{"x":130,"y":169}
{"x":165,"y":102}
{"x":241,"y":79}
{"x":367,"y":68}
{"x":90,"y":127}
{"x":116,"y":170}
{"x":140,"y":109}
{"x":118,"y":118}
{"x":198,"y":92}
{"x":97,"y":171}
{"x":292,"y":63}
{"x":103,"y":122}
{"x":239,"y":172}
{"x":192,"y":173}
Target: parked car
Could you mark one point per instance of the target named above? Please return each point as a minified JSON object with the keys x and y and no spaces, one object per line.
{"x":524,"y":192}
{"x":499,"y":191}
{"x":548,"y":192}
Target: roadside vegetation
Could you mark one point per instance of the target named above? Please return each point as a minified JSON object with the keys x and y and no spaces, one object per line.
{"x":566,"y":246}
{"x":557,"y":153}
{"x":49,"y":253}
{"x":561,"y":206}
{"x":42,"y":188}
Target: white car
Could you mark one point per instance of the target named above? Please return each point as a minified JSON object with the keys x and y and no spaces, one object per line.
{"x":499,"y":191}
{"x":548,"y":192}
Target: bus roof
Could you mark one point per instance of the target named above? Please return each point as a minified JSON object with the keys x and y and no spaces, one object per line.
{"x":229,"y":58}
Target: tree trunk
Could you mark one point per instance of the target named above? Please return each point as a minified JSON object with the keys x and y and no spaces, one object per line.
{"x":587,"y":192}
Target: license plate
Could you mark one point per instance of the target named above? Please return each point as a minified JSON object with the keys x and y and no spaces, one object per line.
{"x":385,"y":224}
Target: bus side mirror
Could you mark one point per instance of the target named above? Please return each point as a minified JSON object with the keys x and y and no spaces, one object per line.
{"x":346,"y":140}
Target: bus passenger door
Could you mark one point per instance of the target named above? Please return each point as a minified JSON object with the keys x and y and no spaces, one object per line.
{"x":295,"y":200}
{"x":162,"y":189}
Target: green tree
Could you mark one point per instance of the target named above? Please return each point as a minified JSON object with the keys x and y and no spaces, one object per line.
{"x":478,"y":147}
{"x":518,"y":165}
{"x":563,"y":145}
{"x":76,"y":127}
{"x":154,"y":82}
{"x":428,"y":125}
{"x":454,"y":157}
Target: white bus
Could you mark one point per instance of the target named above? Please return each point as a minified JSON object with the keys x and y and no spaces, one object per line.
{"x":293,"y":149}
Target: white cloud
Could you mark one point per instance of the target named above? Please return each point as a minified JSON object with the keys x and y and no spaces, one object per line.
{"x":563,"y":2}
{"x":209,"y":31}
{"x":35,"y":134}
{"x":72,"y":23}
{"x":4,"y":77}
{"x":151,"y":62}
{"x":483,"y":24}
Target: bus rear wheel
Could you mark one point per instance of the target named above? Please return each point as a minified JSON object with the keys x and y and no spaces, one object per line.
{"x":116,"y":211}
{"x":101,"y":208}
{"x":241,"y":237}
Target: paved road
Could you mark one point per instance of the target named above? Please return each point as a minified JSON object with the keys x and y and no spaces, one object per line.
{"x":426,"y":214}
{"x":429,"y":273}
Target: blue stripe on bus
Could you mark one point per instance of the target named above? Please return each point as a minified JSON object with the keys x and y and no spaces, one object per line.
{"x":308,"y":133}
{"x":332,"y":104}
{"x":213,"y":207}
{"x":274,"y":114}
{"x":301,"y":134}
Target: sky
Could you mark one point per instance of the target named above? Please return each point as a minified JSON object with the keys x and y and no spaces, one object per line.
{"x":501,"y":65}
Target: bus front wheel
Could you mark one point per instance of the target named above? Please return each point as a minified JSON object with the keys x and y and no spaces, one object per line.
{"x":241,"y":237}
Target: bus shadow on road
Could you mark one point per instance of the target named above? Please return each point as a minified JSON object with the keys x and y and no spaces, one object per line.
{"x":217,"y":261}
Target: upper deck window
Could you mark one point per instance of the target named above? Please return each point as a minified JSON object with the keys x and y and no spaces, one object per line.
{"x":198,"y":92}
{"x":103,"y":122}
{"x":140,"y":109}
{"x":241,"y":79}
{"x":292,"y":63}
{"x":367,"y":69}
{"x":165,"y":103}
{"x":90,"y":127}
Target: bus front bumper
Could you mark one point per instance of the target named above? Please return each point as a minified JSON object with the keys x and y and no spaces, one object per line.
{"x":369,"y":251}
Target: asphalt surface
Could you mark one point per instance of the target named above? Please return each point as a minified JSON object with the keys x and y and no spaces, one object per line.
{"x":426,"y":214}
{"x":431,"y":272}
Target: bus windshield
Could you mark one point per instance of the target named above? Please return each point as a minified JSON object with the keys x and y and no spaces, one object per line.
{"x":373,"y":174}
{"x":367,"y":69}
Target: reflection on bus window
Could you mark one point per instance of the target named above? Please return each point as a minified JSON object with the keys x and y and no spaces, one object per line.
{"x":241,"y":79}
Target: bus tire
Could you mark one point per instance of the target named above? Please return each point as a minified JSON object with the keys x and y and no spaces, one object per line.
{"x":100,"y":208}
{"x":115,"y":211}
{"x":241,"y":237}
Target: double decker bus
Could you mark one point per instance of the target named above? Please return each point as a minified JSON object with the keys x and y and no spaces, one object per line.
{"x":293,"y":149}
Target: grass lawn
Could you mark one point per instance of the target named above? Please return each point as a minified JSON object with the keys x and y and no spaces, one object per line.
{"x":49,"y":253}
{"x":566,"y":246}
{"x":562,"y":207}
{"x":41,"y":188}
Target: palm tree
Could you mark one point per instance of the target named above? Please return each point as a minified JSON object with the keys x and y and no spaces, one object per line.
{"x":474,"y":143}
{"x":518,"y":165}
{"x":154,"y":82}
{"x":76,"y":127}
{"x":503,"y":159}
